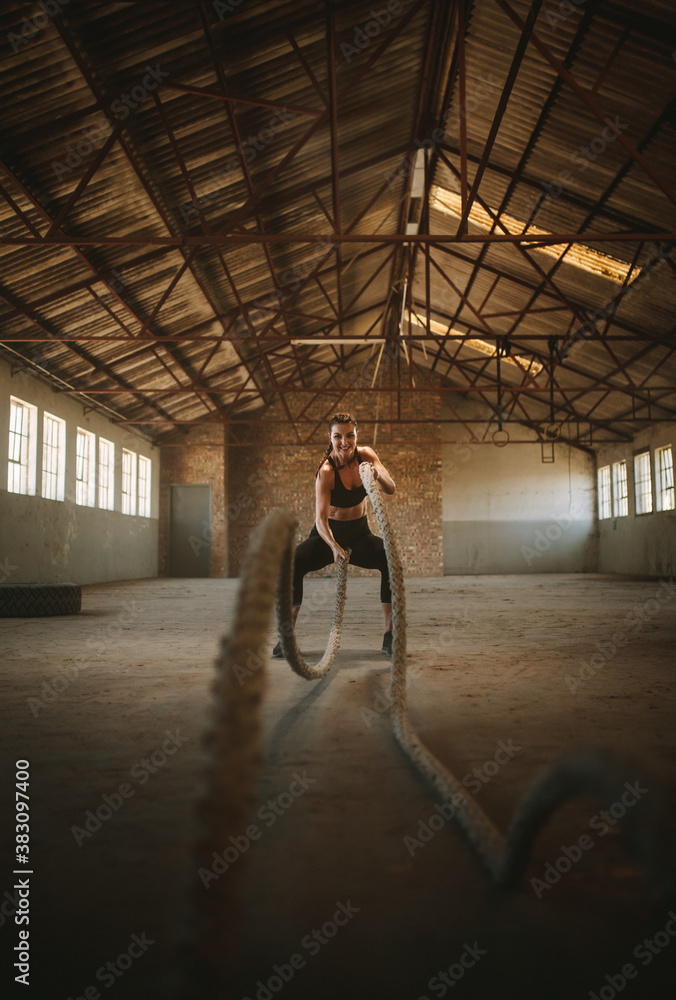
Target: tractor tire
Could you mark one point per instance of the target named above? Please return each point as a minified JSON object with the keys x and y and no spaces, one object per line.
{"x":38,"y":600}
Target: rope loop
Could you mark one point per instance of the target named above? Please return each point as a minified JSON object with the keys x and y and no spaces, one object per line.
{"x":599,"y":774}
{"x":235,"y":736}
{"x":287,"y":634}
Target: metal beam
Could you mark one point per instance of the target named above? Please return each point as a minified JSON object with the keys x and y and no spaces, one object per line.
{"x":587,"y":98}
{"x":292,"y":388}
{"x":233,"y":240}
{"x":230,"y":98}
{"x":522,"y":45}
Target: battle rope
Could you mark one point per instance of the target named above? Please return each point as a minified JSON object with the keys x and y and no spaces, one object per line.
{"x":235,"y":757}
{"x":483,"y":834}
{"x":287,"y":635}
{"x":235,"y":745}
{"x":234,"y":740}
{"x":593,"y":773}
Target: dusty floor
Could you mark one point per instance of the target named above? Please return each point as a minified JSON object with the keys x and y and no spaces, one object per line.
{"x":109,"y":708}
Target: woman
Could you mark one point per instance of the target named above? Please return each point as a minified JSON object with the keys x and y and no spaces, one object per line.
{"x":340,"y":521}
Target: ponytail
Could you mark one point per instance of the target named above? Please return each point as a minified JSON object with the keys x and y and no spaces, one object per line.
{"x":324,"y":457}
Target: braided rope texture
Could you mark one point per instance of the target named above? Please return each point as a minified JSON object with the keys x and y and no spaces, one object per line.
{"x":599,"y":774}
{"x":287,"y":635}
{"x":482,"y":834}
{"x":235,"y":744}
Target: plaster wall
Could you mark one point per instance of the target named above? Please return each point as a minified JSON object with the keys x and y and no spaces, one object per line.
{"x":638,"y":543}
{"x":507,"y":511}
{"x":55,"y":541}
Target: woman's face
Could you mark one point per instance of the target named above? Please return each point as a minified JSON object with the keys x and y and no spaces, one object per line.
{"x":344,"y":440}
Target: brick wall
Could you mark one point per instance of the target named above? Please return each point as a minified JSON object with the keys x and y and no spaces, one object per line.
{"x":197,"y":457}
{"x":274,"y":471}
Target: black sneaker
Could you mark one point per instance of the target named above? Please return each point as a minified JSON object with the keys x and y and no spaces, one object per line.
{"x":387,"y":644}
{"x":277,"y":653}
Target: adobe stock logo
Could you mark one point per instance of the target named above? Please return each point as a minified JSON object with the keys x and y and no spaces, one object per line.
{"x":645,"y":951}
{"x":602,"y":822}
{"x":6,"y":570}
{"x":140,"y":771}
{"x":474,"y":781}
{"x":446,"y":979}
{"x":120,"y":109}
{"x":633,"y":624}
{"x":312,"y":942}
{"x":30,"y":27}
{"x":543,"y":540}
{"x":222,"y":860}
{"x":381,"y":20}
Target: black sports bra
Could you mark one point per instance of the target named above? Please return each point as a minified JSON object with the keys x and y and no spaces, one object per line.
{"x":340,"y":495}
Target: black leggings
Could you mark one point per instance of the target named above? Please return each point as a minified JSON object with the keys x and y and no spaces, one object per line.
{"x":368,"y":551}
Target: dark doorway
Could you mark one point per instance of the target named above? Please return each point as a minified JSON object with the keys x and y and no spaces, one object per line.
{"x":190,"y":531}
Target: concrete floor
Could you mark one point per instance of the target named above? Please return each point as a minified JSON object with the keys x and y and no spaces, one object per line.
{"x":128,"y":700}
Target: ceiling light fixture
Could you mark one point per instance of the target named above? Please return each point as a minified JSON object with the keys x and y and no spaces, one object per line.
{"x":316,"y":341}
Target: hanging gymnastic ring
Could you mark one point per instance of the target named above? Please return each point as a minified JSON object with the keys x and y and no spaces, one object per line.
{"x":552,"y":431}
{"x":500,"y":442}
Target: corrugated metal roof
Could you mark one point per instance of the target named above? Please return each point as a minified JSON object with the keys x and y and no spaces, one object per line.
{"x":171,"y":278}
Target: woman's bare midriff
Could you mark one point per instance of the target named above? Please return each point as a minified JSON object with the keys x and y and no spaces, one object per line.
{"x":347,"y":513}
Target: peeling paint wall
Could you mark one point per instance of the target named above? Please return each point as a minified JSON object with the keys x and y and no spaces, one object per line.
{"x":55,"y":541}
{"x":505,"y":511}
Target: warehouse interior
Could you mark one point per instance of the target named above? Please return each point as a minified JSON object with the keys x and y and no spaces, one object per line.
{"x":221,"y":223}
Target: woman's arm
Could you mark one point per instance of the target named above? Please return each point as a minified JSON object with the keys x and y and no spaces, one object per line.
{"x":381,"y":474}
{"x":322,"y":504}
